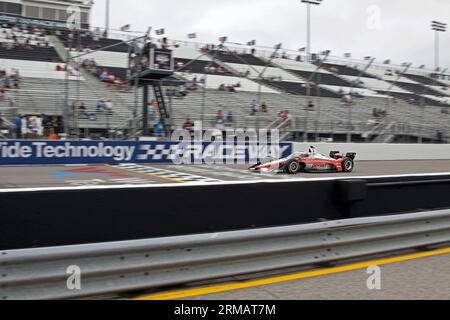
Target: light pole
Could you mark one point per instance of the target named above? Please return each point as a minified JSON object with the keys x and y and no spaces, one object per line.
{"x":312,"y":79}
{"x":308,"y":25}
{"x":437,"y":27}
{"x":107,"y":18}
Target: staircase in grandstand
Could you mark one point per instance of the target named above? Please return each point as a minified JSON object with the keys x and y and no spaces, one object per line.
{"x":162,"y":106}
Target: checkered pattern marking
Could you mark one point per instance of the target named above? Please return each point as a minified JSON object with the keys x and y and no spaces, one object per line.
{"x":170,"y":174}
{"x":157,"y":152}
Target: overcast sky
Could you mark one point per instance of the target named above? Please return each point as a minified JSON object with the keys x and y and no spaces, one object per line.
{"x":399,"y":30}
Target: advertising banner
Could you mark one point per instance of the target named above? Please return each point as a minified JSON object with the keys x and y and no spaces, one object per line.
{"x":22,"y":152}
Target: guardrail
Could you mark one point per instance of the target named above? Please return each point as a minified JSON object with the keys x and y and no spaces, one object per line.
{"x":145,"y":264}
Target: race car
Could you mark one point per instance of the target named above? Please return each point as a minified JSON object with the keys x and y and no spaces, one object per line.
{"x":309,"y":162}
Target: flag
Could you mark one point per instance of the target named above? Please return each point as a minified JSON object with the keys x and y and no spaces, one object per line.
{"x":347,"y":55}
{"x":192,"y":35}
{"x":367,"y":58}
{"x":404,"y":64}
{"x":125,"y":27}
{"x":388,"y":61}
{"x":422,"y":67}
{"x":251,"y":43}
{"x":223,"y":39}
{"x":160,"y":32}
{"x":302,"y":49}
{"x":278,"y":46}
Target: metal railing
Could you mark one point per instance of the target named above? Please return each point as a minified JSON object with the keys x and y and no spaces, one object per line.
{"x":155,"y":263}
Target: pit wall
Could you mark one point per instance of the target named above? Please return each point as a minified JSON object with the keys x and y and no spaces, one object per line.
{"x":383,"y":152}
{"x":50,"y":217}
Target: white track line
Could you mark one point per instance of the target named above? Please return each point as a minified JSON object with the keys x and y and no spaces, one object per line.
{"x":196,"y":184}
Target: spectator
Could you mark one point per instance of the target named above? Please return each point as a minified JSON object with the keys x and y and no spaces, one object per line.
{"x":7,"y":83}
{"x":111,"y":79}
{"x":263,"y":108}
{"x":219,"y":115}
{"x":230,"y":118}
{"x":100,"y":106}
{"x":285,"y":116}
{"x":81,"y":110}
{"x":46,"y":124}
{"x":181,"y":92}
{"x":18,"y":127}
{"x":104,"y":75}
{"x":439,"y":136}
{"x":109,"y":106}
{"x":253,"y":108}
{"x":219,"y":123}
{"x":188,"y":125}
{"x":154,"y":105}
{"x":151,"y":111}
{"x":32,"y":127}
{"x":347,"y":100}
{"x":165,"y":44}
{"x":159,"y":129}
{"x":53,"y":135}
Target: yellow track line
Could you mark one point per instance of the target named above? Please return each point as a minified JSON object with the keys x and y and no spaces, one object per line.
{"x":146,"y":173}
{"x":292,"y":277}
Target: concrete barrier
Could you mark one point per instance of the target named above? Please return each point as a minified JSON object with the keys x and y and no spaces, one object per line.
{"x":369,"y":151}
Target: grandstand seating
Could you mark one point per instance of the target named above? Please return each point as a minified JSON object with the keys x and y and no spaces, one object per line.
{"x":25,"y":45}
{"x":199,"y":66}
{"x":345,"y":70}
{"x":424,"y":80}
{"x":34,"y":54}
{"x":88,"y":42}
{"x":215,"y":81}
{"x":323,"y":78}
{"x":35,"y":69}
{"x":332,"y":84}
{"x":238,"y":58}
{"x":298,"y":88}
{"x":283,"y":88}
{"x":255,"y":72}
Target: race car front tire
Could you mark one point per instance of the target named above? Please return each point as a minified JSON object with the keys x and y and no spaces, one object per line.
{"x":348,"y":165}
{"x":292,"y":167}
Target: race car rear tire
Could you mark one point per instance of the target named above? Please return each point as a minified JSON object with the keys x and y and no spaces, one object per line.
{"x":348,"y":165}
{"x":292,"y":167}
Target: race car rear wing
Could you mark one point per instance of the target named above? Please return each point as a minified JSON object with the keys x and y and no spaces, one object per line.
{"x":337,"y":154}
{"x":351,"y":155}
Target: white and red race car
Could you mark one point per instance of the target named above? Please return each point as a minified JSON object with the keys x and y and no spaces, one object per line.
{"x":309,"y":162}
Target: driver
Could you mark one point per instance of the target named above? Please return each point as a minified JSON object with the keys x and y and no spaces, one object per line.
{"x":312,"y":150}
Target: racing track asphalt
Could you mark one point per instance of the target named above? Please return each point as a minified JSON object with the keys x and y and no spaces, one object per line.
{"x":64,"y":176}
{"x":416,"y":276}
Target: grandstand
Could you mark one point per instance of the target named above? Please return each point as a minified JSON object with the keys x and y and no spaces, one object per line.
{"x":334,"y":99}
